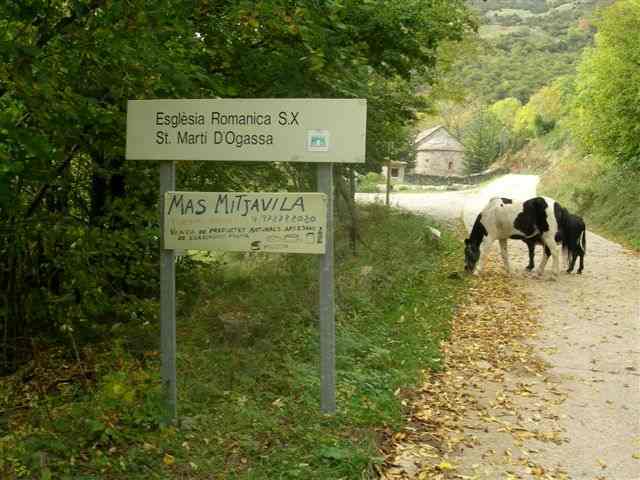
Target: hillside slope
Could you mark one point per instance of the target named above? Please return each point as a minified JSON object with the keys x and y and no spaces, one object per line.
{"x":524,"y":45}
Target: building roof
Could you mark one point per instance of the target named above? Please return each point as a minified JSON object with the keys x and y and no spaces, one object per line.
{"x":423,"y":141}
{"x":426,"y":133}
{"x":394,"y":163}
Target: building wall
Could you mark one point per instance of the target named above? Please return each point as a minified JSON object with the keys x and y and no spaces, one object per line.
{"x":439,"y":162}
{"x":439,"y":154}
{"x":398,"y":169}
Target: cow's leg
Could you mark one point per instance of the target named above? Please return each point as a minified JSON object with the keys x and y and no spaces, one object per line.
{"x":531,"y":245}
{"x":552,"y":250}
{"x":582,"y":249}
{"x":555,"y":256}
{"x":543,"y":263}
{"x":485,"y":248}
{"x":546,"y":253}
{"x":505,"y":255}
{"x":573,"y":256}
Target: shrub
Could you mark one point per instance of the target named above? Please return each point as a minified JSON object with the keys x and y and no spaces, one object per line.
{"x":484,"y":140}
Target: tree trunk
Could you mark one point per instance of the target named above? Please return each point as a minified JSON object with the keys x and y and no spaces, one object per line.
{"x":107,"y":184}
{"x":348,"y":194}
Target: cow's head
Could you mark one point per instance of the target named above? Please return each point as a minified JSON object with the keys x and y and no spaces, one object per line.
{"x":471,"y":255}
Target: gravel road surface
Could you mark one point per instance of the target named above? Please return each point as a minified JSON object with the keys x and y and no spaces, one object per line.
{"x":589,"y":338}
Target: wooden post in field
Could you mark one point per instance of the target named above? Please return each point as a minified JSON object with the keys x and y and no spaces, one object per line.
{"x":389,"y":150}
{"x":388,"y":179}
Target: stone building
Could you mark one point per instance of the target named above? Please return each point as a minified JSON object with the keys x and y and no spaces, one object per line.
{"x":438,"y":153}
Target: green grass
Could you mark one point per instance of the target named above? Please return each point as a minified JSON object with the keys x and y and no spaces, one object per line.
{"x":369,"y":182}
{"x":248,"y":369}
{"x":606,"y":195}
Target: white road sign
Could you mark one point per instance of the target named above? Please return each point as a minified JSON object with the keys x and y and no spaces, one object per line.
{"x":243,"y":222}
{"x":283,"y":129}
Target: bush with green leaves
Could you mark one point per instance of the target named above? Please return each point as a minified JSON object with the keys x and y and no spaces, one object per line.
{"x":369,"y":183}
{"x":607,"y":110}
{"x":484,"y":140}
{"x":85,"y":424}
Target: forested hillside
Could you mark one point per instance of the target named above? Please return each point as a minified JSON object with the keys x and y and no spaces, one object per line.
{"x":525,"y":44}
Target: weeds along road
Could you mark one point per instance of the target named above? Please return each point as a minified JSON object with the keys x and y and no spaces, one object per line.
{"x":578,"y":416}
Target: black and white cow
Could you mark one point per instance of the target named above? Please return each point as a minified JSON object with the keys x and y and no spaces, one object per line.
{"x":572,"y":231}
{"x":535,"y":220}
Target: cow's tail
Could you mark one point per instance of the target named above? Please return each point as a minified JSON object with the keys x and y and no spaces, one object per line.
{"x":582,"y":241}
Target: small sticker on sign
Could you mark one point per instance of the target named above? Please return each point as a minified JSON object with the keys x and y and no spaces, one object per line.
{"x":318,"y":140}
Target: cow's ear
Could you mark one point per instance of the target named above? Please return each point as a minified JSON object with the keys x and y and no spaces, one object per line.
{"x":466,"y":241}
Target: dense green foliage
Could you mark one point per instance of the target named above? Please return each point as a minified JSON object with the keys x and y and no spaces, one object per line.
{"x":369,"y":183}
{"x":607,"y":110}
{"x":521,"y":70}
{"x":78,"y":224}
{"x":248,"y":369}
{"x":525,"y":45}
{"x":483,"y":141}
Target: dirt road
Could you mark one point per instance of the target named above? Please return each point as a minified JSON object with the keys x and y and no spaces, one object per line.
{"x":451,"y":206}
{"x":547,"y":386}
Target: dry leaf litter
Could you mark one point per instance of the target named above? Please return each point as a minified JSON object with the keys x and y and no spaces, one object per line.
{"x":493,"y":391}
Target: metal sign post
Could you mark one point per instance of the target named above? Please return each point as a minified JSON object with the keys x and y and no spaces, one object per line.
{"x":327,"y":306}
{"x":167,"y":297}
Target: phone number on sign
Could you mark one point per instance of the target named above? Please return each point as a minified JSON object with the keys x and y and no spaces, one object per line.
{"x":287,"y":218}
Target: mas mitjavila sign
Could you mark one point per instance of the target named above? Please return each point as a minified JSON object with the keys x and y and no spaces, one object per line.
{"x":246,"y":222}
{"x":288,"y":130}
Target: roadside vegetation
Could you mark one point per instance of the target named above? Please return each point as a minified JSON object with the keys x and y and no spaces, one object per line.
{"x":79,"y":242}
{"x":248,"y":368}
{"x":607,"y":197}
{"x":370,"y":182}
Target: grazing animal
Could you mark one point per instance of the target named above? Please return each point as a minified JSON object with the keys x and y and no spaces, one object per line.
{"x":572,"y":231}
{"x":534,"y":220}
